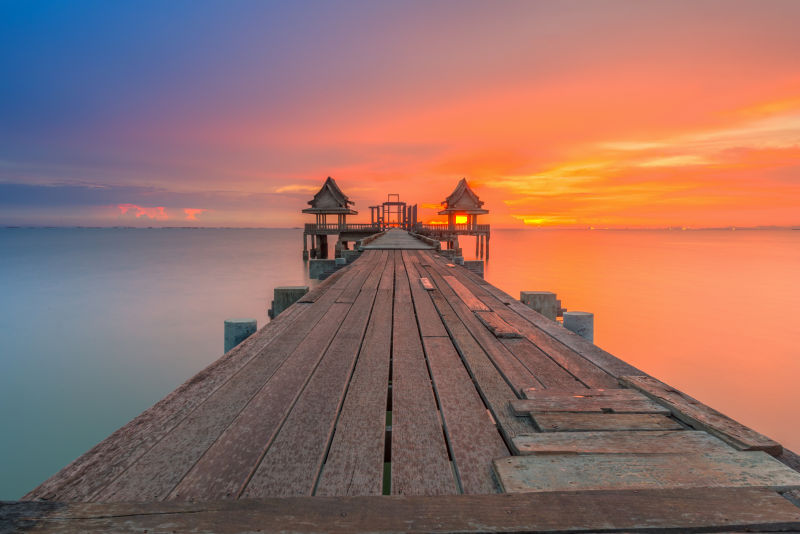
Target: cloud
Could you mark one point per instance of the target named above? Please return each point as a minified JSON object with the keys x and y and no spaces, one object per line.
{"x":297,"y":188}
{"x":156,"y":213}
{"x":192,"y":213}
{"x":676,"y":161}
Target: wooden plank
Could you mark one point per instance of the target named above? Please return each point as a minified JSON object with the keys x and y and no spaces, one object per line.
{"x":572,"y":362}
{"x":559,"y":472}
{"x":350,"y":270}
{"x":545,"y":369}
{"x":224,"y":469}
{"x":593,"y":400}
{"x":555,"y":395}
{"x":160,"y":469}
{"x":496,"y":325}
{"x":419,"y":463}
{"x":214,"y":431}
{"x":286,"y":468}
{"x":516,"y":374}
{"x":86,"y":476}
{"x":581,"y":422}
{"x":471,"y":435}
{"x":426,"y":283}
{"x":351,"y":293}
{"x":472,"y":302}
{"x":427,"y":317}
{"x":698,"y":415}
{"x":686,"y":510}
{"x":602,"y":359}
{"x":609,"y":442}
{"x":491,"y":385}
{"x":354,"y":465}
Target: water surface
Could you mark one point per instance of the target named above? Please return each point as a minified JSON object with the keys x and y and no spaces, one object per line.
{"x":98,"y":324}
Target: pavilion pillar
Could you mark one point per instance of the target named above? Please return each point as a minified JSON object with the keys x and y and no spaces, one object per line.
{"x":323,"y":247}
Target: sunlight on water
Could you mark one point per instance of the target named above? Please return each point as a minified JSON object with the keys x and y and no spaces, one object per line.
{"x":97,"y":325}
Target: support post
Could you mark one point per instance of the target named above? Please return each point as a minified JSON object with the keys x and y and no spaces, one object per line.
{"x":543,"y":302}
{"x":305,"y":246}
{"x":237,"y":330}
{"x":582,"y":323}
{"x":323,"y":247}
{"x":487,"y":246}
{"x":283,"y":297}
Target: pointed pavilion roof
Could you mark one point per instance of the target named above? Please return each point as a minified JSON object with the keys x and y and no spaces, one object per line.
{"x":330,"y":199}
{"x":463,"y":200}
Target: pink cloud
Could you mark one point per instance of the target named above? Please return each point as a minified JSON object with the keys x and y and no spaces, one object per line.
{"x":156,"y":213}
{"x":192,"y":213}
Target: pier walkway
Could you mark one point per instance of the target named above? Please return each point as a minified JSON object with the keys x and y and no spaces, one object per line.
{"x":395,"y":239}
{"x":406,"y":394}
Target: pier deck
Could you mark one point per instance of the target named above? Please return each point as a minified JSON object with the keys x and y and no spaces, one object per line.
{"x":405,"y":393}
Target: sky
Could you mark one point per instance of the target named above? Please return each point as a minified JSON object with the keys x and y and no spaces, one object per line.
{"x":569,"y":113}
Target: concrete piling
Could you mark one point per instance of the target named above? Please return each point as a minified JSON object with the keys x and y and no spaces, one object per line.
{"x":237,"y":330}
{"x":283,"y":297}
{"x":543,"y":302}
{"x":317,"y":266}
{"x":476,"y":266}
{"x":582,"y":323}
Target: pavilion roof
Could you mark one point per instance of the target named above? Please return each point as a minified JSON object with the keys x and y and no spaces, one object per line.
{"x":463,"y":200}
{"x":330,"y":199}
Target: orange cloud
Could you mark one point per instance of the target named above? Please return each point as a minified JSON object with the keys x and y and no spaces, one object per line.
{"x":156,"y":213}
{"x":192,"y":213}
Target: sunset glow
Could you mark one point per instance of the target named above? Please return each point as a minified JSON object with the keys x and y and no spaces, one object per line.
{"x":576,"y":114}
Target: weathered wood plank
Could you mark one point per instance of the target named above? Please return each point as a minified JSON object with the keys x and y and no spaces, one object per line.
{"x":685,"y":510}
{"x":224,"y":468}
{"x":472,"y":302}
{"x":471,"y":434}
{"x":559,"y":472}
{"x":544,"y":368}
{"x":157,"y":473}
{"x":516,"y":374}
{"x":333,"y":280}
{"x":593,"y":400}
{"x":602,"y":359}
{"x":354,"y":465}
{"x":291,"y":470}
{"x":580,"y":422}
{"x":698,"y":415}
{"x":492,"y":387}
{"x":351,"y":293}
{"x":496,"y":325}
{"x":609,"y":442}
{"x":159,"y":470}
{"x":426,"y":283}
{"x":572,"y":362}
{"x":420,"y":464}
{"x":427,"y":317}
{"x":87,"y":475}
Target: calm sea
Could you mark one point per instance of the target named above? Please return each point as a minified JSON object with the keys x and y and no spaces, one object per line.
{"x":98,"y":324}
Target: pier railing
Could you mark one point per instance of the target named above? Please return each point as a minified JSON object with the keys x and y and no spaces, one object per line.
{"x":435,"y":229}
{"x":335,"y":228}
{"x":457,"y":228}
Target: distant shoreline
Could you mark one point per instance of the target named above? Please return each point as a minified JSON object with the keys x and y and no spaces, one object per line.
{"x":538,"y":229}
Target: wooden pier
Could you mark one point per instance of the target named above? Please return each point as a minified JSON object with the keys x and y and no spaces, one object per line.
{"x":406,"y":394}
{"x":462,"y":209}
